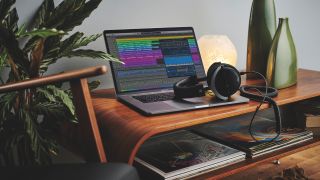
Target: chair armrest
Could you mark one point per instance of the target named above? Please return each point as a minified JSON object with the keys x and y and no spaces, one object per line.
{"x":45,"y":80}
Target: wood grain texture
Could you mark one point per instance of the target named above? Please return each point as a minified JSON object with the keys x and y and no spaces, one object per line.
{"x":45,"y":80}
{"x":125,"y":130}
{"x":90,"y":138}
{"x":253,"y":163}
{"x":91,"y":146}
{"x":308,"y":159}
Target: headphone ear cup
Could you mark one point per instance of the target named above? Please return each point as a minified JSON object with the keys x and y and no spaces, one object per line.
{"x":211,"y":70}
{"x":224,"y":80}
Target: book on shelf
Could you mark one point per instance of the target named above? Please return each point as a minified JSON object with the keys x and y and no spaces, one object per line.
{"x":312,"y":121}
{"x":234,"y":132}
{"x":313,"y":124}
{"x":183,"y":154}
{"x":311,"y":111}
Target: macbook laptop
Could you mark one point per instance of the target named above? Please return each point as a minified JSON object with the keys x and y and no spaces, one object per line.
{"x":154,"y":60}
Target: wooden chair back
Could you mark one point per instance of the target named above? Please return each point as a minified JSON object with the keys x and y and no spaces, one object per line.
{"x":92,"y":147}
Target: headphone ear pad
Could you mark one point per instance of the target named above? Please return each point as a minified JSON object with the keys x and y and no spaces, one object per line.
{"x":210,"y":72}
{"x":223,"y":79}
{"x":227,"y":80}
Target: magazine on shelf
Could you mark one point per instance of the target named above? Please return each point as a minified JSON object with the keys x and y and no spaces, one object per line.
{"x":184,"y":154}
{"x":234,"y":132}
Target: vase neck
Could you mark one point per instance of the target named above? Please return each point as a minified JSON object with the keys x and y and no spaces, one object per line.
{"x":284,"y":23}
{"x":283,"y":20}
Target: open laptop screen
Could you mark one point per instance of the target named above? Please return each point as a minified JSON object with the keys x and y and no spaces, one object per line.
{"x":154,"y":58}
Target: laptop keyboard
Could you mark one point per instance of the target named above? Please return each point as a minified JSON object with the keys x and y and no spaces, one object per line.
{"x":149,"y":98}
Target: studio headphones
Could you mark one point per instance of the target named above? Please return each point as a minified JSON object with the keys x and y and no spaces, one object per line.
{"x":224,"y":80}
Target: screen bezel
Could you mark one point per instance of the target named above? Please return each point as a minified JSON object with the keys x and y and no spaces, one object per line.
{"x":143,"y":30}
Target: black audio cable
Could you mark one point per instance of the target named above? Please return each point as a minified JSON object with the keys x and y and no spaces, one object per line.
{"x":262,"y":97}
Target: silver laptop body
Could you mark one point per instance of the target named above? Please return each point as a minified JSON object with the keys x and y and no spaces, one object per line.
{"x":154,"y":60}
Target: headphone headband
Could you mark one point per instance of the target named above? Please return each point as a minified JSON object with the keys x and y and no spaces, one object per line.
{"x":188,"y":88}
{"x":223,"y":89}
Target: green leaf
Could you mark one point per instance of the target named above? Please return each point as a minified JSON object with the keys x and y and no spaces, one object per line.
{"x":11,"y":21}
{"x":54,"y":94}
{"x":86,"y":40}
{"x":31,"y":43}
{"x":69,"y":43}
{"x":43,"y":33}
{"x":42,"y":14}
{"x":94,"y":85}
{"x":51,"y":48}
{"x":93,"y":54}
{"x":75,"y":41}
{"x":9,"y":41}
{"x":5,"y":6}
{"x":77,"y":17}
{"x":62,"y":11}
{"x":53,"y":109}
{"x":47,"y":94}
{"x":21,"y":29}
{"x":6,"y":104}
{"x":35,"y":140}
{"x":3,"y":58}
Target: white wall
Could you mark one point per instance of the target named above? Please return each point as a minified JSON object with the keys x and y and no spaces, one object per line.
{"x":228,"y":17}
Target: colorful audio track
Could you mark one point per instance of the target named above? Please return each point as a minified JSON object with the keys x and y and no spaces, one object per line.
{"x":154,"y":59}
{"x":161,"y":50}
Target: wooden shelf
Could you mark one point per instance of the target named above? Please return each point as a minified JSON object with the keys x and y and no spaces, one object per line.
{"x":125,"y":130}
{"x":250,"y":163}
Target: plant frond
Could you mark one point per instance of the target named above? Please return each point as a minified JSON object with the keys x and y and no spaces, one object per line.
{"x":69,"y":43}
{"x":9,"y":41}
{"x":93,"y":54}
{"x":61,"y":12}
{"x":5,"y":6}
{"x":42,"y":14}
{"x":75,"y":41}
{"x":43,"y":33}
{"x":55,"y":94}
{"x":21,"y":29}
{"x":6,"y":105}
{"x":94,"y":85}
{"x":55,"y":110}
{"x":3,"y":58}
{"x":86,"y":40}
{"x":11,"y":20}
{"x":79,"y":15}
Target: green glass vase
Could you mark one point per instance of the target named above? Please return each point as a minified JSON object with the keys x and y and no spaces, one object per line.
{"x":282,"y":60}
{"x":262,"y":27}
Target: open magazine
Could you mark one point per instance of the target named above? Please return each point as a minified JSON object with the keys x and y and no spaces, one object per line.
{"x":235,"y":133}
{"x":183,"y":154}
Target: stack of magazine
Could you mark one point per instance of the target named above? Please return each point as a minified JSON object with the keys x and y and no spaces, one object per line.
{"x":234,"y":132}
{"x":183,"y":154}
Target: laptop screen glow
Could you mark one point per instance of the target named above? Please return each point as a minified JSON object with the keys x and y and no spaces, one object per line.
{"x":154,"y":58}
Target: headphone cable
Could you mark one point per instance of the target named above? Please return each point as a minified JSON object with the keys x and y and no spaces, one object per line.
{"x":262,"y":100}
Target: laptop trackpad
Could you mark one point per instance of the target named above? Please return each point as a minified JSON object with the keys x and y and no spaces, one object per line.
{"x":195,"y":102}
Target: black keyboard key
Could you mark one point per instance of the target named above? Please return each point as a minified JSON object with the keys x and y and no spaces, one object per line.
{"x":149,"y":98}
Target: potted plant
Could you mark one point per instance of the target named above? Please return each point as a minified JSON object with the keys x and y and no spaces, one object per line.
{"x":29,"y":119}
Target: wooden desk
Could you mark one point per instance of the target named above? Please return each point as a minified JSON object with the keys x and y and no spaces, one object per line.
{"x":308,"y":159}
{"x":124,"y":130}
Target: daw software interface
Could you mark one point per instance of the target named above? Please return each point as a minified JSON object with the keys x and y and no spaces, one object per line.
{"x":154,"y":59}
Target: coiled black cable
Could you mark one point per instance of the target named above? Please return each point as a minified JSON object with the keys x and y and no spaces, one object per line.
{"x":262,"y":97}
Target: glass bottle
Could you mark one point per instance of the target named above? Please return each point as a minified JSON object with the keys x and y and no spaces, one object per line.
{"x":282,"y":60}
{"x":262,"y":27}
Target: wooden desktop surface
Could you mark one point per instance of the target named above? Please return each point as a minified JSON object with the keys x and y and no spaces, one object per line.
{"x":124,"y":130}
